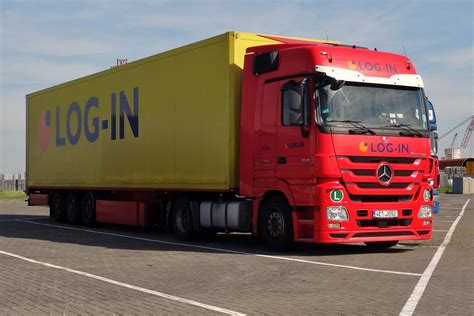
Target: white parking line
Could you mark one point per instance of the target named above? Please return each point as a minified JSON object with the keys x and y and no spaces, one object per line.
{"x":225,"y":250}
{"x":133,"y":287}
{"x":420,"y":287}
{"x":337,"y":265}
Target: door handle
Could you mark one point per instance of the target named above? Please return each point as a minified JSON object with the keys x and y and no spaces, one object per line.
{"x":281,"y":160}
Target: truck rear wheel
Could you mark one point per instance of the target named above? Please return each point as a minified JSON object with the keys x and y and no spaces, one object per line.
{"x":57,"y":208}
{"x":88,"y":209}
{"x":182,"y":219}
{"x":275,"y":224}
{"x":381,"y":244}
{"x":73,"y":210}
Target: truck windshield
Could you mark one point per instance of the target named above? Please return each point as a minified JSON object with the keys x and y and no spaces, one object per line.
{"x":374,"y":106}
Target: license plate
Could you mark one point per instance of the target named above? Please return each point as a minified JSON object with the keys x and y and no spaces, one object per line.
{"x":385,"y":214}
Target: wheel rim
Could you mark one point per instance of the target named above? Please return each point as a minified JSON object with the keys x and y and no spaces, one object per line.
{"x":182,"y":219}
{"x":275,"y":224}
{"x":71,"y":207}
{"x":88,"y":209}
{"x":57,"y":207}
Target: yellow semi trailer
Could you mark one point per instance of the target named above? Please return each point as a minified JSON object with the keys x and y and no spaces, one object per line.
{"x":169,"y":121}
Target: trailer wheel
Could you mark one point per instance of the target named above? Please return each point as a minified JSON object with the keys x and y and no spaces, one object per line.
{"x":73,"y":210}
{"x":57,"y":208}
{"x":275,"y":224}
{"x":182,"y":219}
{"x":88,"y":209}
{"x":380,"y":244}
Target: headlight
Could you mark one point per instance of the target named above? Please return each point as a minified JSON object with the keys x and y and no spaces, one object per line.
{"x":426,"y":211}
{"x":337,"y":213}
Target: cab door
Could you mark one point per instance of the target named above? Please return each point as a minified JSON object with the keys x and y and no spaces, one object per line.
{"x":266,"y":130}
{"x":294,"y":136}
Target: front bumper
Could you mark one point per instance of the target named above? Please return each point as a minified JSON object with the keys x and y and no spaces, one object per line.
{"x":361,"y":225}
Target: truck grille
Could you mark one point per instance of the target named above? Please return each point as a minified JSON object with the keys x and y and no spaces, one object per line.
{"x":390,"y":160}
{"x":362,"y":184}
{"x":379,"y":198}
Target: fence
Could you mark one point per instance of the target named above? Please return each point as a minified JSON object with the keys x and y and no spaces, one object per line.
{"x":12,"y":185}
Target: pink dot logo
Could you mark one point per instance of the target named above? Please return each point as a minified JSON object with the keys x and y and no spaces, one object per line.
{"x":44,"y":130}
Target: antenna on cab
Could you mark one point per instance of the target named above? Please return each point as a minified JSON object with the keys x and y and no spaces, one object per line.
{"x":404,"y":50}
{"x":408,"y":59}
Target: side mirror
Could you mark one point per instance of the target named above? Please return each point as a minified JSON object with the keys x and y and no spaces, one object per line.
{"x":431,"y":116}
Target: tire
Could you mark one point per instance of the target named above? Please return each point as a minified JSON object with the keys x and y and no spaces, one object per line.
{"x":381,"y":244}
{"x":73,"y":209}
{"x":182,"y":219}
{"x":57,"y":207}
{"x":88,"y":209}
{"x":275,"y":223}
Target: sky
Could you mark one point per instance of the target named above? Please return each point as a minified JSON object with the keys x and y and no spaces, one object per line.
{"x":43,"y":43}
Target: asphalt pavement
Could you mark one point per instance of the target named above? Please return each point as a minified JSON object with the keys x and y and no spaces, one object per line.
{"x":50,"y":268}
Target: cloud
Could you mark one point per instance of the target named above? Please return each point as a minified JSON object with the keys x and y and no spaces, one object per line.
{"x":462,"y":57}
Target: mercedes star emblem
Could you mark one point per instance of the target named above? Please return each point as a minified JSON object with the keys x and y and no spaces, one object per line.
{"x":384,"y":174}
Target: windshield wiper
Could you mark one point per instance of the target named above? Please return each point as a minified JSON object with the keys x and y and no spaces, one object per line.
{"x":362,"y":129}
{"x":408,"y":130}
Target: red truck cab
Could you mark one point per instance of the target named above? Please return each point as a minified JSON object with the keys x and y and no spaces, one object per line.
{"x":339,"y":136}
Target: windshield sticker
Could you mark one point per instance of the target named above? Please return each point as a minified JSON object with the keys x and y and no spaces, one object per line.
{"x":400,"y":115}
{"x":392,"y":115}
{"x":383,"y":147}
{"x":417,"y":114}
{"x":336,"y":195}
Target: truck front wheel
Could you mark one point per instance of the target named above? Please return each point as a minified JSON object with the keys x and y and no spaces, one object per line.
{"x":182,"y":219}
{"x":275,"y":224}
{"x":57,"y":208}
{"x":88,"y":209}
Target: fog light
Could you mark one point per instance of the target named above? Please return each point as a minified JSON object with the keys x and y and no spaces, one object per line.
{"x":426,"y":211}
{"x":426,"y":223}
{"x":337,"y":213}
{"x":335,"y":225}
